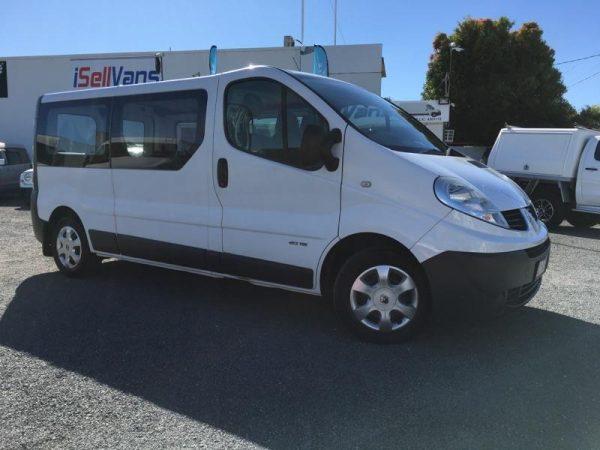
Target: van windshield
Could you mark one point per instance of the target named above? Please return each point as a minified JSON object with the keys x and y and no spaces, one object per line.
{"x":376,"y":118}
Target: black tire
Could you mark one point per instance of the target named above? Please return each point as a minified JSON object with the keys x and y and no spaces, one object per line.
{"x":549,"y":206}
{"x":359,"y":265}
{"x":87,"y":261}
{"x":582,"y":220}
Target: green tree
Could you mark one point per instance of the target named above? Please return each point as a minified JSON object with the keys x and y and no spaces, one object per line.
{"x":589,"y":117}
{"x":502,"y":76}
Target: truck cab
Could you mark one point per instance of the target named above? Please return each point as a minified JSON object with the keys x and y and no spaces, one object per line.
{"x":587,"y":191}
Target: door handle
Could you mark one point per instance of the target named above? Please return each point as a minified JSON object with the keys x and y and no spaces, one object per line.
{"x":591,"y":169}
{"x":222,"y":173}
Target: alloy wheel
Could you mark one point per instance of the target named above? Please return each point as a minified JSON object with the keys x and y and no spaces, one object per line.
{"x":68,"y":247}
{"x":384,"y":298}
{"x":544,"y":209}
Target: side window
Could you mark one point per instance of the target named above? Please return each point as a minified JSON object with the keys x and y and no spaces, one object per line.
{"x":73,"y":134}
{"x":266,"y":119}
{"x":597,"y":153}
{"x":253,"y":112}
{"x":157,"y":131}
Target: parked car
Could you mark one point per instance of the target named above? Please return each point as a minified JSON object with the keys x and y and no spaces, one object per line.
{"x":265,"y":175}
{"x":558,"y":167}
{"x":26,"y":184}
{"x":13,"y":161}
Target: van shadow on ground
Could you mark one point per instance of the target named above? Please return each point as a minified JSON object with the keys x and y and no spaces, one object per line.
{"x":274,"y":367}
{"x":567,"y":230}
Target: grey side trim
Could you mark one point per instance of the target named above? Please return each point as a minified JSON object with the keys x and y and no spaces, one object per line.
{"x":208,"y":273}
{"x":202,"y":259}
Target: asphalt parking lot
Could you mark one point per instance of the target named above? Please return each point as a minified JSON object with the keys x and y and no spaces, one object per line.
{"x":143,"y":357}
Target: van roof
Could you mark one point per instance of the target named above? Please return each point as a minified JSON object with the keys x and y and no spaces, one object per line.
{"x":159,"y":86}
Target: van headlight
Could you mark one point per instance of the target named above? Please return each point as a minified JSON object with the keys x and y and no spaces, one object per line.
{"x":27,"y":177}
{"x":466,"y":198}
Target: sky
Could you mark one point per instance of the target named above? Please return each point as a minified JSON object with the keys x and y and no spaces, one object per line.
{"x":405,"y":28}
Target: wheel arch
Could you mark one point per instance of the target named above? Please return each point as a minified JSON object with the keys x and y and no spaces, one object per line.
{"x":562,"y":188}
{"x":350,"y":245}
{"x":57,"y":213}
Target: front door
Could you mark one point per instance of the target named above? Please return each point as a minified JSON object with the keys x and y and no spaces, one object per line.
{"x":160,"y":158}
{"x":588,"y":183}
{"x":278,"y":215}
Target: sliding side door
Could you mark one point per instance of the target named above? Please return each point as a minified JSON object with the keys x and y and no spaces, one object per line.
{"x":160,"y":157}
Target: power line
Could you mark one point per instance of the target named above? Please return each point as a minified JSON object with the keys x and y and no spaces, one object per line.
{"x":585,"y":79}
{"x":578,"y":59}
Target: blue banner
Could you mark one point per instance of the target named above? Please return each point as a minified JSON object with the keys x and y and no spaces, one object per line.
{"x":320,"y":63}
{"x":212,"y":60}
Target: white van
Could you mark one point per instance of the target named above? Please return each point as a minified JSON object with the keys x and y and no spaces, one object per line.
{"x":558,"y":167}
{"x":283,"y":179}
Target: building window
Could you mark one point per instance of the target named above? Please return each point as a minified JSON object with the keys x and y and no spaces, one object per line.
{"x":157,"y":131}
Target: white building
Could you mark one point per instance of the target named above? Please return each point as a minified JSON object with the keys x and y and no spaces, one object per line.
{"x":24,"y":79}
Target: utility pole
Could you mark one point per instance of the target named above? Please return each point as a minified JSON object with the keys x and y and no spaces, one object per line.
{"x":302,"y":22}
{"x":335,"y":22}
{"x":453,"y":48}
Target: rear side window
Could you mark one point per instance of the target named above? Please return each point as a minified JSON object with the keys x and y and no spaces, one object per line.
{"x":266,"y":119}
{"x":597,"y":153}
{"x":157,"y":131}
{"x":73,"y":134}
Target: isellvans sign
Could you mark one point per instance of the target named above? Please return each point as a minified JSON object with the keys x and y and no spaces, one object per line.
{"x":94,"y":73}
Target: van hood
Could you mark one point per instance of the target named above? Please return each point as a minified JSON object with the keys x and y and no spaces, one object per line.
{"x":504,"y":193}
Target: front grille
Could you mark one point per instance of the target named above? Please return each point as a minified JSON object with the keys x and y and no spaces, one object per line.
{"x":522,"y":294}
{"x":515,"y":219}
{"x":533,"y":212}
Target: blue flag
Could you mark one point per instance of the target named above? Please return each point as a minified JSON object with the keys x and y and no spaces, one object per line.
{"x":320,"y":63}
{"x":212,"y":60}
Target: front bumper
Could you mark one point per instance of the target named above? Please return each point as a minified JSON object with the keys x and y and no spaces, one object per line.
{"x":465,"y":285}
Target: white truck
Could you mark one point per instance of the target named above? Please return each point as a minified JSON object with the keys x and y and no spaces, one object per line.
{"x":559,"y":168}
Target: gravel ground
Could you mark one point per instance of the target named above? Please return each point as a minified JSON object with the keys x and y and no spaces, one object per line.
{"x":143,"y":357}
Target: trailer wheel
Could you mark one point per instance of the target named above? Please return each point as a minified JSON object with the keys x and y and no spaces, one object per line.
{"x":582,"y":220}
{"x":549,"y":206}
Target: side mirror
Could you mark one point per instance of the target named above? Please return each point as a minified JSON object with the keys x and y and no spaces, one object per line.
{"x":315,"y":148}
{"x":332,"y":138}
